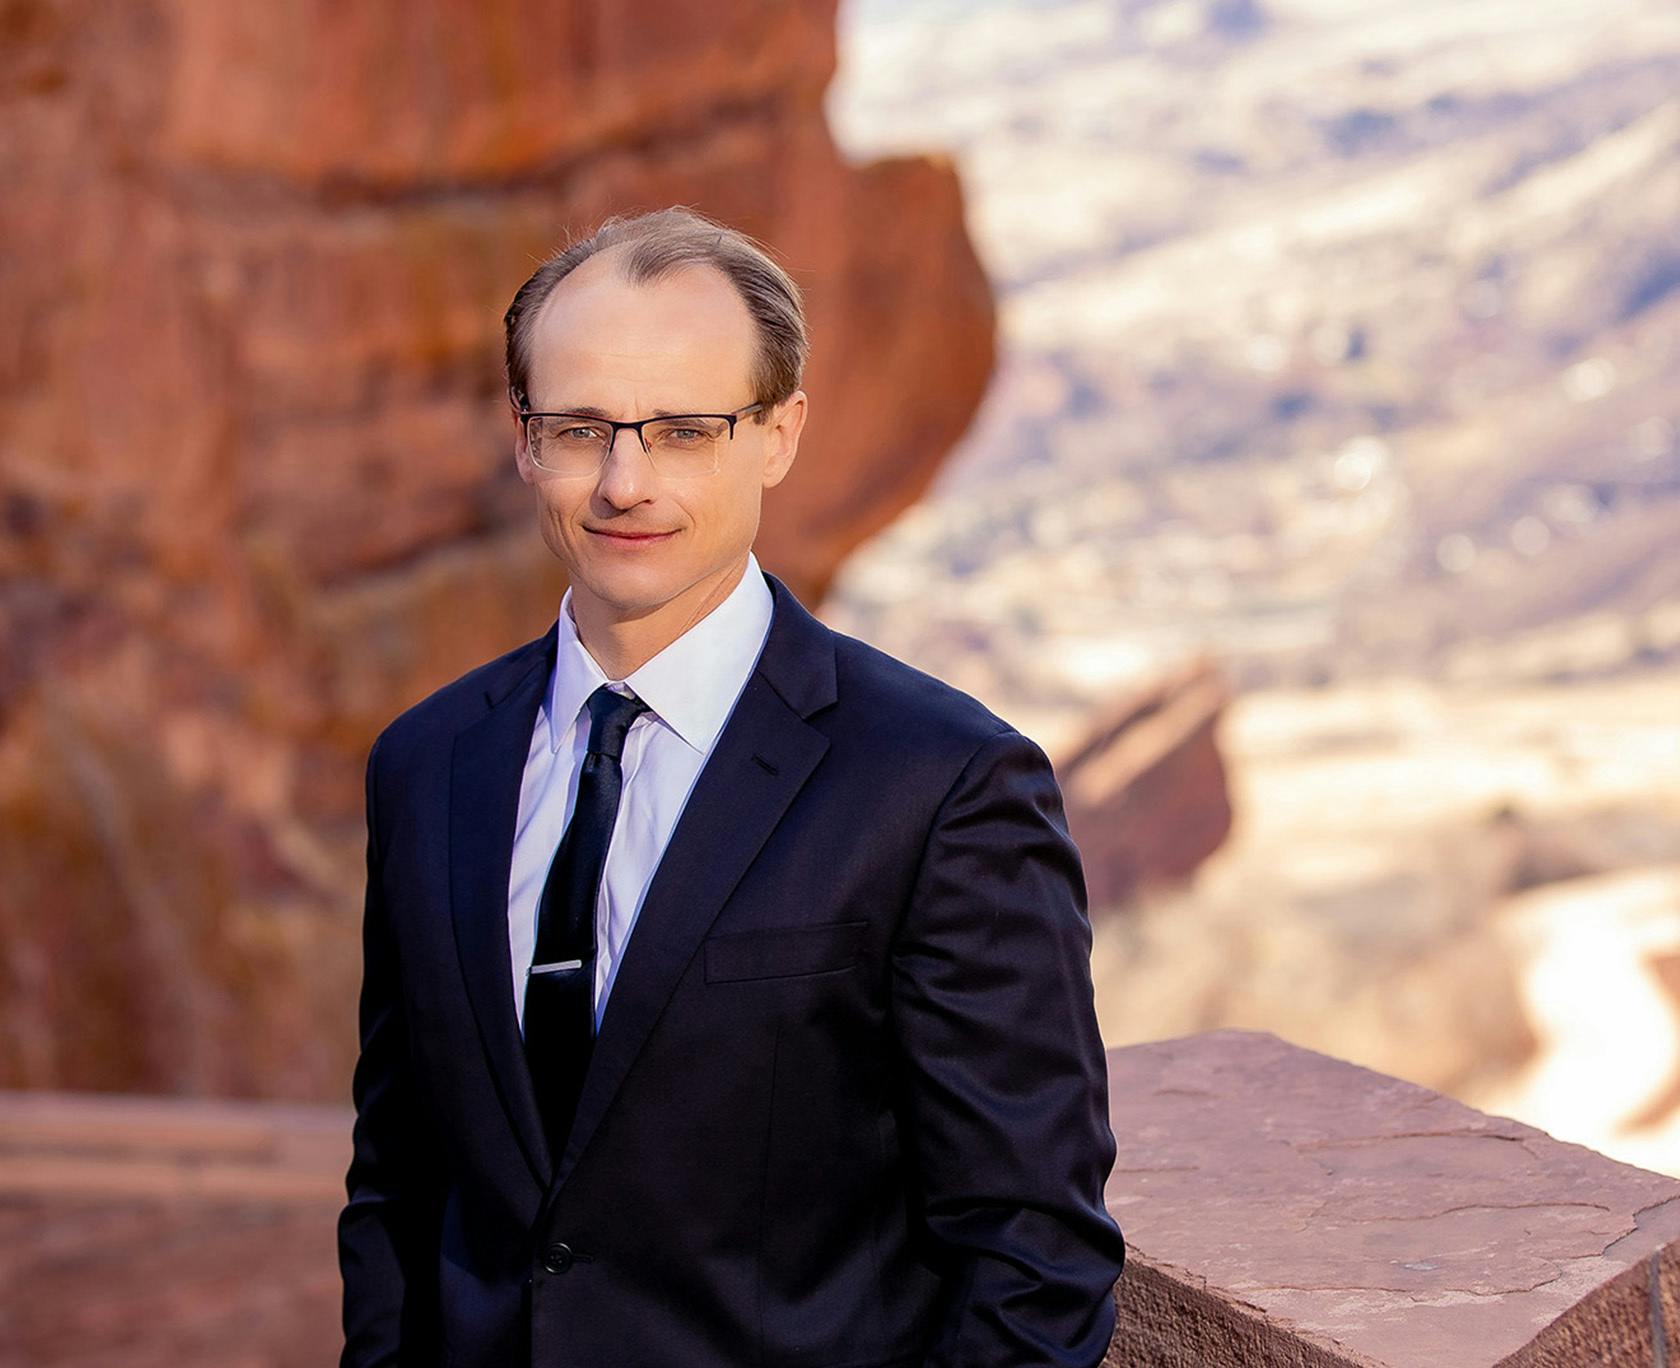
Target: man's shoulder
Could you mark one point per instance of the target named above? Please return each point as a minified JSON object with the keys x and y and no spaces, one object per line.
{"x":460,"y":702}
{"x":908,"y":707}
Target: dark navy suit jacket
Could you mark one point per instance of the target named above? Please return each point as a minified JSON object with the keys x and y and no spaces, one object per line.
{"x":848,"y":1103}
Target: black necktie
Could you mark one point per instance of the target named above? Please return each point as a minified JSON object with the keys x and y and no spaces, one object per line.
{"x":559,"y":988}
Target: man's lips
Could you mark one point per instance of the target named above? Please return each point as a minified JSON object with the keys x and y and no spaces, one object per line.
{"x":628,"y":536}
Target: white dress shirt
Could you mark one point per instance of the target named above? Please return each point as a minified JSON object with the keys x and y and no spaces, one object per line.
{"x":690,"y":688}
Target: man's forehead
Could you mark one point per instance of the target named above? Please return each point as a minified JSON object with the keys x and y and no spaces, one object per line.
{"x":607,"y":383}
{"x":698,"y":294}
{"x":686,"y":334}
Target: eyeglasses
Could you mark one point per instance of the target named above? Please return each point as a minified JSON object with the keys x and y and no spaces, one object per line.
{"x":679,"y":444}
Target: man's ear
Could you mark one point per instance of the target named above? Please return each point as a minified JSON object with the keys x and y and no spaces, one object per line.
{"x":787,"y":421}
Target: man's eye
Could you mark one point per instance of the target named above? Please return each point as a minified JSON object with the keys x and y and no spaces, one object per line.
{"x":580,"y":434}
{"x":687,"y":434}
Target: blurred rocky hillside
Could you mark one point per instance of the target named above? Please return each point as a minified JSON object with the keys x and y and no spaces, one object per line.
{"x":1339,"y":345}
{"x":1339,"y":339}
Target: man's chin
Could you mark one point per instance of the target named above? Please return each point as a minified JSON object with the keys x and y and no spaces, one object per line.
{"x":628,"y":592}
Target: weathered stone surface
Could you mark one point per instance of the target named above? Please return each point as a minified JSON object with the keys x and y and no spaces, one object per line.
{"x":1280,"y":1208}
{"x":1283,"y":1207}
{"x":256,"y":485}
{"x":165,"y":1233}
{"x":1145,"y":789}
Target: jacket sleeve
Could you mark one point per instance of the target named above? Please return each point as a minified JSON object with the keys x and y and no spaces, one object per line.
{"x":387,"y":1231}
{"x":1003,"y":1077}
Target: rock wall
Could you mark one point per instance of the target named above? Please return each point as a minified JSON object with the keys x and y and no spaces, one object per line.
{"x":1283,"y":1207}
{"x":256,"y":486}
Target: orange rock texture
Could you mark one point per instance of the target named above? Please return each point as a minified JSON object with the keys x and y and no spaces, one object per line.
{"x":256,"y":485}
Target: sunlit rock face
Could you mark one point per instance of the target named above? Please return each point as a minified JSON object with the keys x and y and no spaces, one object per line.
{"x":257,"y":491}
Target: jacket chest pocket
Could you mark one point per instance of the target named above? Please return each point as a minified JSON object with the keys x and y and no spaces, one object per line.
{"x":783,"y":951}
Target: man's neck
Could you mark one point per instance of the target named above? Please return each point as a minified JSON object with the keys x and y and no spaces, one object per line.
{"x":621,"y":646}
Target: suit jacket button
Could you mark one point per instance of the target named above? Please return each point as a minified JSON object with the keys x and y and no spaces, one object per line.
{"x":557,"y":1258}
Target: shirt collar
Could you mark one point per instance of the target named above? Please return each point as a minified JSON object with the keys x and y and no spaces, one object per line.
{"x":691,"y":685}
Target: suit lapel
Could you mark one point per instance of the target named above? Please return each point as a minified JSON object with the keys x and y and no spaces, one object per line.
{"x":488,"y":769}
{"x":762,"y":758}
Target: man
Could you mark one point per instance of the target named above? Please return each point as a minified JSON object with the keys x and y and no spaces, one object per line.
{"x":727,"y":996}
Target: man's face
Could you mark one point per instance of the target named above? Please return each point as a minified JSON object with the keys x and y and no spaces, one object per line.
{"x":631,"y":538}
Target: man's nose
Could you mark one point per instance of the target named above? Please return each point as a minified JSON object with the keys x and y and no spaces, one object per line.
{"x":626,"y":469}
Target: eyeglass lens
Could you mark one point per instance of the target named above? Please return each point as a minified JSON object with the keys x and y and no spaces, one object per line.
{"x":677,"y":445}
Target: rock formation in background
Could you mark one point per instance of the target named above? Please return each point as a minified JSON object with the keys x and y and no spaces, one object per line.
{"x":1145,"y":790}
{"x":257,"y":491}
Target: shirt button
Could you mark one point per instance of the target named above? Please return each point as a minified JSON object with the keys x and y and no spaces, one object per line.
{"x":557,"y":1258}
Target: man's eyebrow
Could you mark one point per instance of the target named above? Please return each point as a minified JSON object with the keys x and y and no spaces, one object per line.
{"x":590,"y":411}
{"x":581,"y":410}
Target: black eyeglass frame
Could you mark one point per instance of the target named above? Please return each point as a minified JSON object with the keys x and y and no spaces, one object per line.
{"x":525,"y":415}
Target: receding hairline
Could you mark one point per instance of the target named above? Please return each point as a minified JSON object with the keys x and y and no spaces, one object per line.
{"x":662,"y":244}
{"x":619,"y":261}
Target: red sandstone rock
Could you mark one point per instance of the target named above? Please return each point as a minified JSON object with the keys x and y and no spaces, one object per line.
{"x":256,"y":483}
{"x":1283,"y":1207}
{"x":1145,"y":790}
